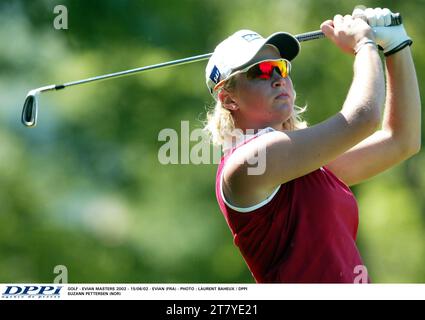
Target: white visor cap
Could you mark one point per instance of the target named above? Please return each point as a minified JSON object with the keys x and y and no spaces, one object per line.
{"x":239,"y":49}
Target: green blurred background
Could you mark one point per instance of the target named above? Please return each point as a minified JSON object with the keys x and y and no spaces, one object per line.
{"x":85,"y":188}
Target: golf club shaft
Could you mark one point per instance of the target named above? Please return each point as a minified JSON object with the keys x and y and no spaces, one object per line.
{"x":312,"y":35}
{"x":301,"y":37}
{"x":30,"y":109}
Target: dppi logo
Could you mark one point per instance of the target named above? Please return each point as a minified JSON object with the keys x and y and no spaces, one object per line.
{"x":32,"y":291}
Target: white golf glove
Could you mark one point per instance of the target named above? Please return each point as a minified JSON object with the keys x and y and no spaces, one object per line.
{"x":389,"y":38}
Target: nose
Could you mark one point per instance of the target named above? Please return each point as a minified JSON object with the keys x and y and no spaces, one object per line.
{"x":278,"y":80}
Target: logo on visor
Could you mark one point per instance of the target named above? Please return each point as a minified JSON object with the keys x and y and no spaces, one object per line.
{"x":215,"y":75}
{"x":251,"y":37}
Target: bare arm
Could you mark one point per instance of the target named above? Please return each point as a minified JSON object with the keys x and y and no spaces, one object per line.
{"x":289,"y":155}
{"x":402,"y":118}
{"x":400,"y":136}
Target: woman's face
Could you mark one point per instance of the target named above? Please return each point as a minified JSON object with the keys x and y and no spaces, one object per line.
{"x":264,"y":102}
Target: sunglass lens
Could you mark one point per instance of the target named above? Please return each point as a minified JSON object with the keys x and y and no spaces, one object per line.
{"x":255,"y":72}
{"x":264,"y":70}
{"x":282,"y":68}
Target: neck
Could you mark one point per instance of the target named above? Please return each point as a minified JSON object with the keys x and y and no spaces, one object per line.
{"x":254,"y":126}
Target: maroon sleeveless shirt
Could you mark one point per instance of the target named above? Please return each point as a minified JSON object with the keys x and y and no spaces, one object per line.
{"x":304,"y":233}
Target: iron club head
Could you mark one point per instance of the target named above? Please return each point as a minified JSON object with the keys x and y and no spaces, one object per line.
{"x":30,"y":109}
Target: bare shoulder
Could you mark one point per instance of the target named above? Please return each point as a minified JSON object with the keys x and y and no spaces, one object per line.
{"x":245,"y":179}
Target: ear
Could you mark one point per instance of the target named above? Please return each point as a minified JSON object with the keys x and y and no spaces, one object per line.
{"x":227,"y":100}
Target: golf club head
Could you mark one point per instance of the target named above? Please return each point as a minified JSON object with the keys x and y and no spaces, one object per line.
{"x":30,"y":109}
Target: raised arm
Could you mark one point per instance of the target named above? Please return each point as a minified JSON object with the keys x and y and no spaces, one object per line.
{"x":400,"y":136}
{"x":402,"y":117}
{"x":289,"y":155}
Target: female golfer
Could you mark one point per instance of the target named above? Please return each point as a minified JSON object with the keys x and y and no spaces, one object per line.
{"x":282,"y":186}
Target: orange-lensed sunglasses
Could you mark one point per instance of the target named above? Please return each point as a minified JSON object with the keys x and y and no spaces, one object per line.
{"x":264,"y":70}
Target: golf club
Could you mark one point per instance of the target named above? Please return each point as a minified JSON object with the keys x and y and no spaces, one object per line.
{"x":30,"y":109}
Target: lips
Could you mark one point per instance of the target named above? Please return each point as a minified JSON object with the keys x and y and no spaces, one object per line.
{"x":283,"y":95}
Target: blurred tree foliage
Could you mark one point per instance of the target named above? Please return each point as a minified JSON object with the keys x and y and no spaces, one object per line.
{"x":85,"y":188}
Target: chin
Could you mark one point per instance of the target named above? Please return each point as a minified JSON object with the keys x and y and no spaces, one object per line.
{"x":286,"y":111}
